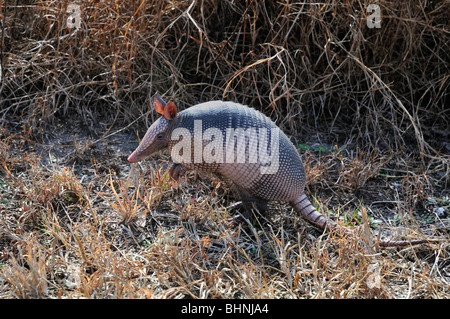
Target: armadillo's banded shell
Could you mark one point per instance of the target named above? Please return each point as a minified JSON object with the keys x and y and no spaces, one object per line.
{"x":278,"y":175}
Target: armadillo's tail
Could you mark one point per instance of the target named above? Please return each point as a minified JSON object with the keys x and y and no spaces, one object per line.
{"x":303,"y":206}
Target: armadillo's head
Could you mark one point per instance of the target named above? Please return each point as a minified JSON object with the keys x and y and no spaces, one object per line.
{"x":158,"y":134}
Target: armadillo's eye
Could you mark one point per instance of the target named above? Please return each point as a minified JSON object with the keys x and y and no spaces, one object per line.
{"x":160,"y":136}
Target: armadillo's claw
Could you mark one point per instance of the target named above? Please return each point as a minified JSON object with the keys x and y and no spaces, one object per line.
{"x":176,"y":170}
{"x":235,"y":219}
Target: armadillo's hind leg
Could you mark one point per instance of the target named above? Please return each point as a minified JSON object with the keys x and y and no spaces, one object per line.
{"x":254,"y":204}
{"x":303,"y":206}
{"x":250,"y":202}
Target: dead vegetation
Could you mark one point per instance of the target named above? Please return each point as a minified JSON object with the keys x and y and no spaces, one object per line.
{"x":367,"y":108}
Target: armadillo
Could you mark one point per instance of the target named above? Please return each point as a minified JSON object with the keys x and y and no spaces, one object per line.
{"x":243,"y":146}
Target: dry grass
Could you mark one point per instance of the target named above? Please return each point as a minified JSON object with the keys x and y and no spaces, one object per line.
{"x":315,"y":63}
{"x":77,"y":222}
{"x":61,"y":237}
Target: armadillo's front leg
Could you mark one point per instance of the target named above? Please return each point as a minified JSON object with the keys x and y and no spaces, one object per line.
{"x":176,"y":170}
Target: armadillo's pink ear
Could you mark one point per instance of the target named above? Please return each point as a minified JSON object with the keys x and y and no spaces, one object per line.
{"x":170,"y":111}
{"x":159,"y":104}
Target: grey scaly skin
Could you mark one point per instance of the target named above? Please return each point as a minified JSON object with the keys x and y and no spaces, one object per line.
{"x":285,"y":182}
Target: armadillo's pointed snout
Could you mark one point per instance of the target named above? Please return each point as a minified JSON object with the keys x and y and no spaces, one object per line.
{"x":131,"y":159}
{"x":134,"y":157}
{"x":144,"y":149}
